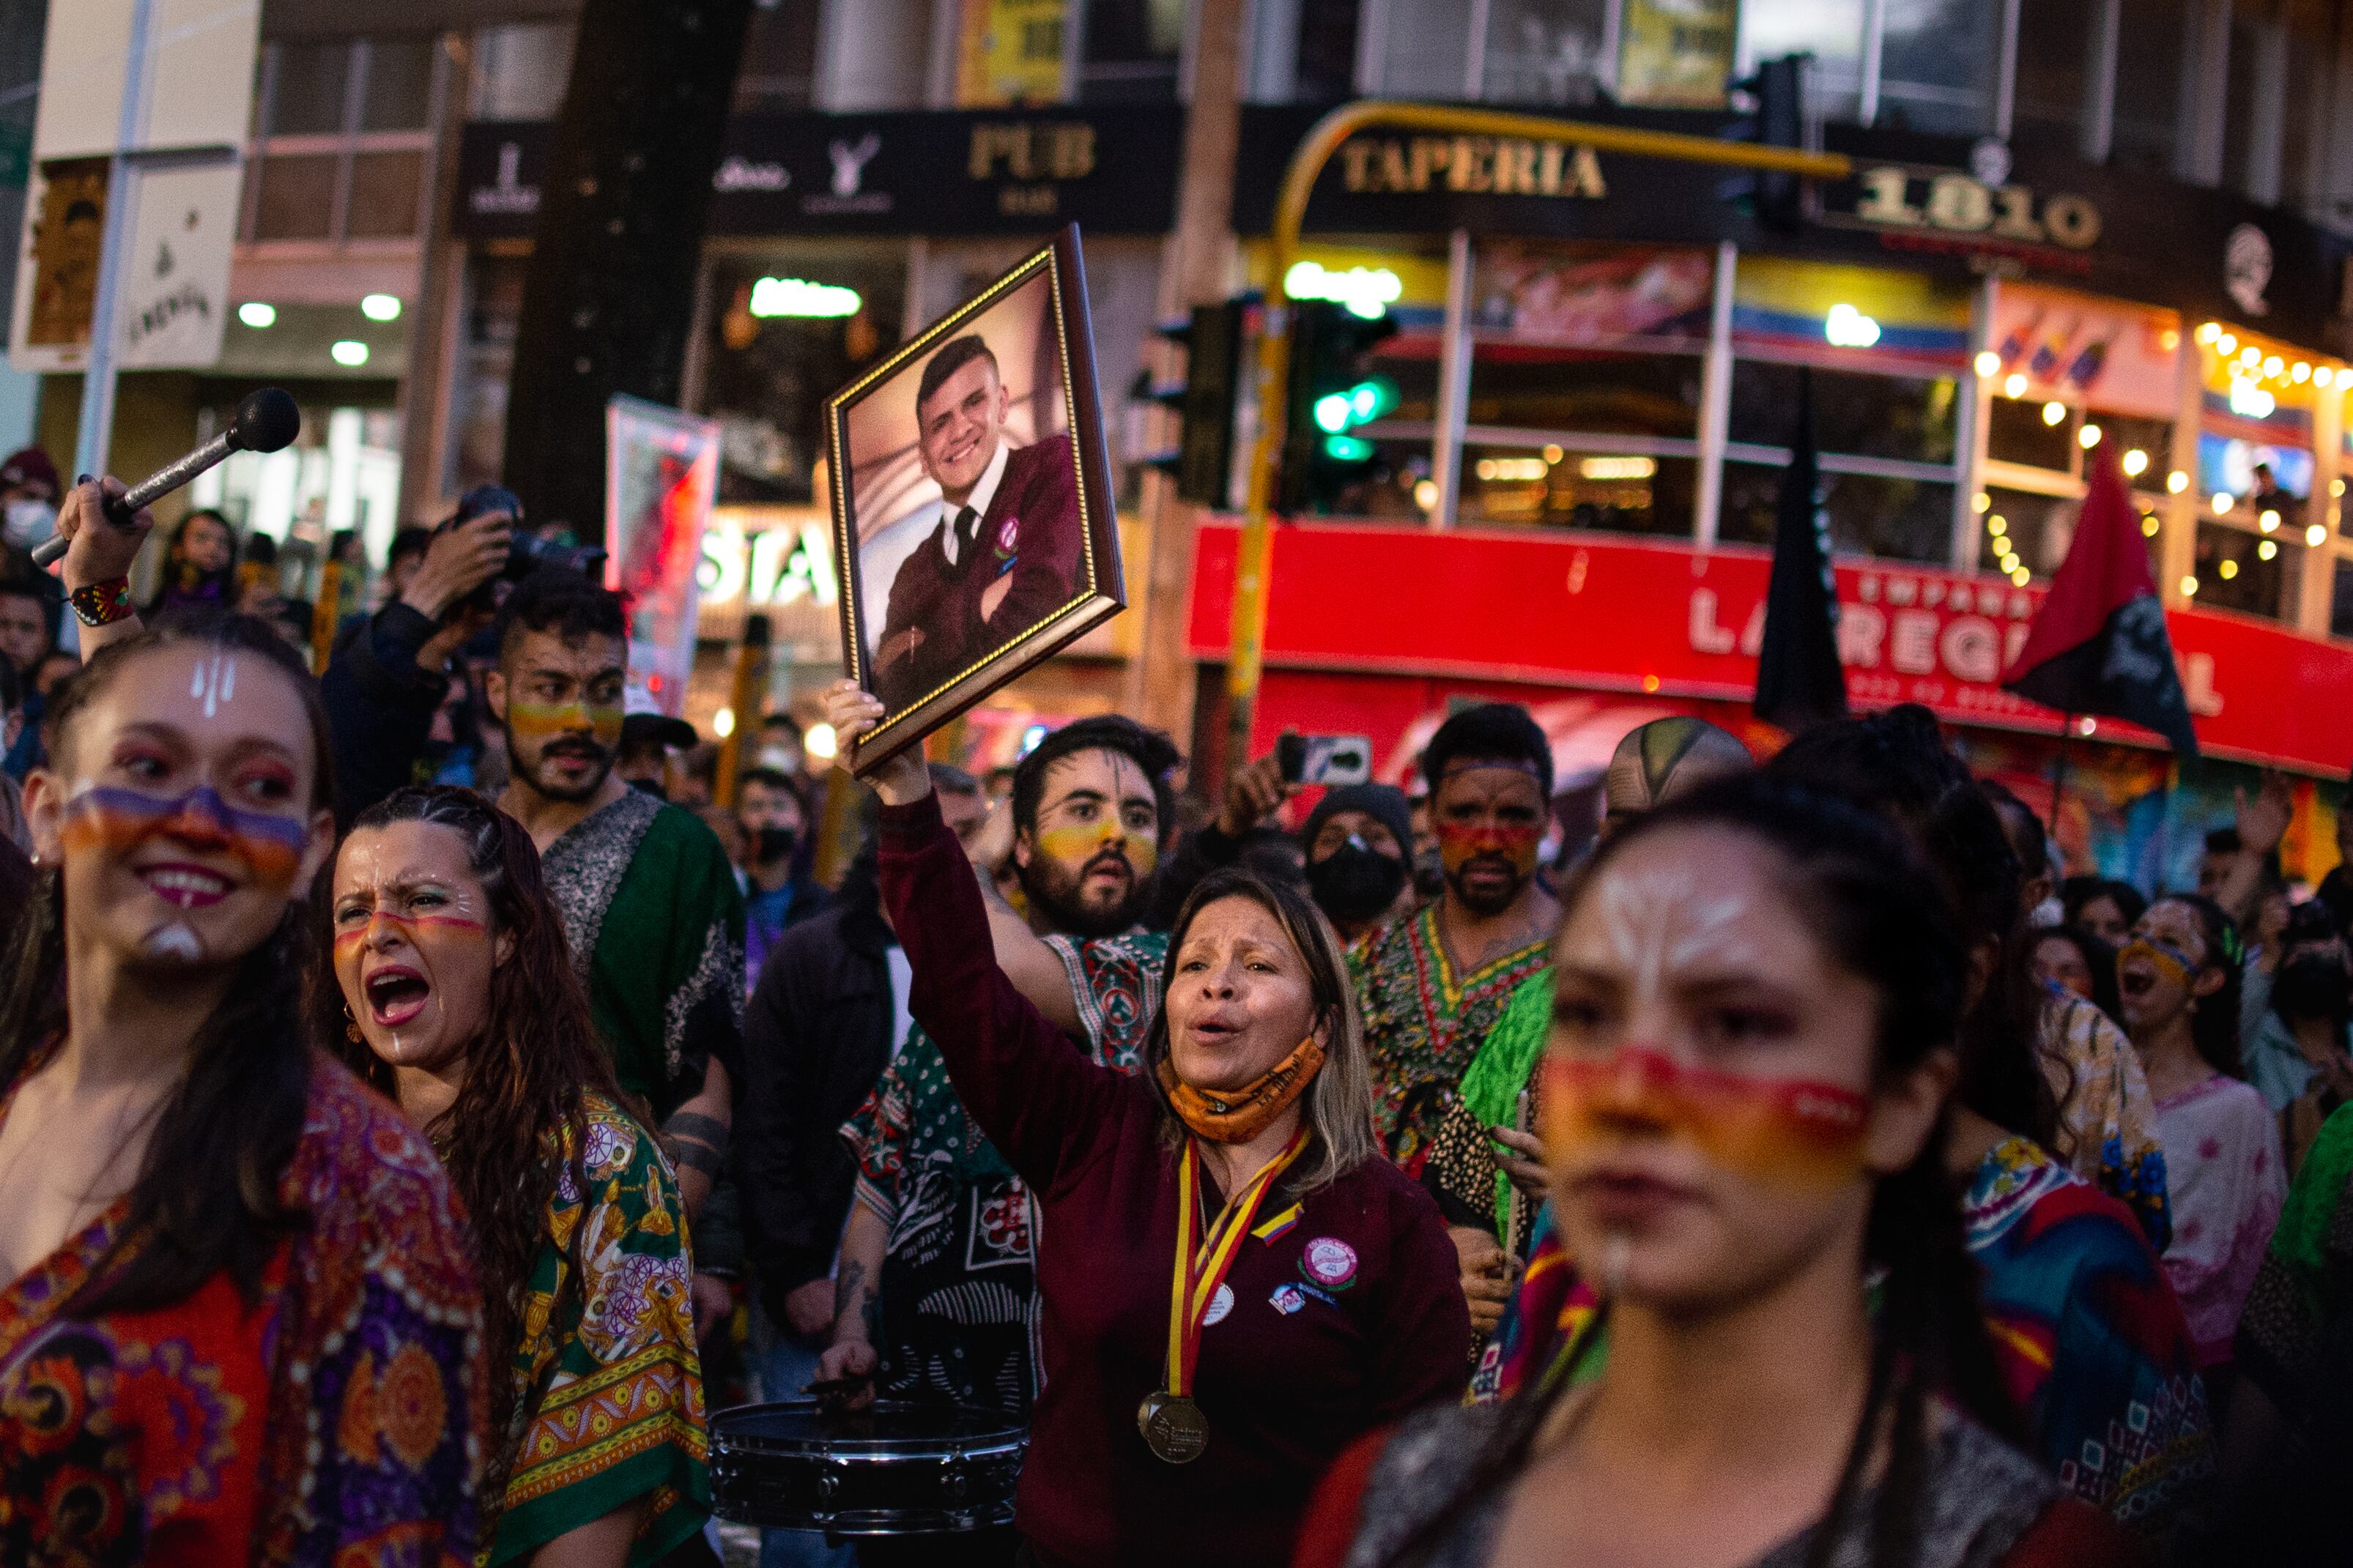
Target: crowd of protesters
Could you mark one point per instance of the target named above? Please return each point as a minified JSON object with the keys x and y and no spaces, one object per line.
{"x":423,"y":1104}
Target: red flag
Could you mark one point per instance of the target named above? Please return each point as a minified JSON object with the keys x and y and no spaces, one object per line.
{"x":2099,"y":644}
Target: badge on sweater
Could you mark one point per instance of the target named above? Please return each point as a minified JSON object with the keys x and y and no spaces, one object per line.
{"x":1329,"y":1262}
{"x":1288,"y":1299}
{"x":1221,"y":1304}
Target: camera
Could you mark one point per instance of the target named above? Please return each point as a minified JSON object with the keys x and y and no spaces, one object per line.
{"x":526,"y":552}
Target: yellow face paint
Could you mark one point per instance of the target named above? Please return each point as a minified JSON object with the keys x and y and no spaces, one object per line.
{"x":1790,"y":1132}
{"x":544,"y":721}
{"x":1075,"y":844}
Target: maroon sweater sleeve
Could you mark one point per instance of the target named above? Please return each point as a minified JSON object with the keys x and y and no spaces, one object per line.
{"x":1045,"y":1106}
{"x":1422,"y":1355}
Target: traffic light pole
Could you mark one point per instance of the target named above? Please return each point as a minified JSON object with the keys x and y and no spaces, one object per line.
{"x":1245,"y":653}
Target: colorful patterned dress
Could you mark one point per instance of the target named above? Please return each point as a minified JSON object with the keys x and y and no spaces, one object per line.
{"x":333,"y":1419}
{"x":959,"y":1280}
{"x":608,"y":1390}
{"x":2107,"y":1119}
{"x":2091,"y":1341}
{"x":2228,"y":1180}
{"x":1423,"y":1023}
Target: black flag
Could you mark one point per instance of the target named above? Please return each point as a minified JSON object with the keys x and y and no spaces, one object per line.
{"x":1799,"y":681}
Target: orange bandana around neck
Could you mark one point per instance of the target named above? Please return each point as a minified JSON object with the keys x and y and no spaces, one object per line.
{"x":1239,"y":1115}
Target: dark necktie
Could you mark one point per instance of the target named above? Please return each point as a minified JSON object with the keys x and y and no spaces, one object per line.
{"x":967,"y":534}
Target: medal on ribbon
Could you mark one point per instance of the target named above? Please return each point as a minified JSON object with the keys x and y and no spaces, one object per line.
{"x":1169,"y":1418}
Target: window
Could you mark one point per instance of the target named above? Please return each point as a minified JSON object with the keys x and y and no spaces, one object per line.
{"x":1615,"y":490}
{"x":520,"y":70}
{"x":346,"y":137}
{"x":2054,"y":42}
{"x":1829,"y":30}
{"x":1936,"y":65}
{"x":2152,"y":63}
{"x":2340,"y":601}
{"x":1542,"y":51}
{"x":1131,"y":51}
{"x":2235,"y":572}
{"x":779,"y":68}
{"x":1898,"y":519}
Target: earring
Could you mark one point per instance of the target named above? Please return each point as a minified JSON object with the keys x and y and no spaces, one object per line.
{"x":351,"y":1025}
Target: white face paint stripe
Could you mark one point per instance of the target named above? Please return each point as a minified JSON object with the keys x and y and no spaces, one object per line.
{"x":1661,"y":920}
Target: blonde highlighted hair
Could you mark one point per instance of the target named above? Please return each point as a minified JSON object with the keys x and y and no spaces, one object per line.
{"x":1339,"y":1102}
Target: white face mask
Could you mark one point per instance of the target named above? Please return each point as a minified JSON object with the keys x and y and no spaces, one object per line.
{"x":783,"y":759}
{"x":29,"y":521}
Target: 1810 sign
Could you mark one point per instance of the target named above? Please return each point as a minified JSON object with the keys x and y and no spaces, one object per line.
{"x":1953,"y":202}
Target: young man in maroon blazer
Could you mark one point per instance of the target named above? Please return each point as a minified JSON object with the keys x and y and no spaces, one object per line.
{"x":1004,"y":552}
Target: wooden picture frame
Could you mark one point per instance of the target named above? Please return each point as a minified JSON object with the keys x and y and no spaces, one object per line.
{"x":976,"y":481}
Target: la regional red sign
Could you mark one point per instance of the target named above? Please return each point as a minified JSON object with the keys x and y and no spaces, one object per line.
{"x":1585,"y":612}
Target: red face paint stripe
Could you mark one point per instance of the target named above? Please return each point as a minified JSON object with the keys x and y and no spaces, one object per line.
{"x":1789,"y":1130}
{"x":106,"y":818}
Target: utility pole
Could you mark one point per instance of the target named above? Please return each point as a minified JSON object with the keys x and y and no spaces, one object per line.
{"x":1160,"y":679}
{"x":96,"y":432}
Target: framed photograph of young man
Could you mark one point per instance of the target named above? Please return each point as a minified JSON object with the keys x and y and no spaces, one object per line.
{"x":973,"y":526}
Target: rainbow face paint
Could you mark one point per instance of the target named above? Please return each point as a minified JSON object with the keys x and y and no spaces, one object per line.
{"x":355,"y":939}
{"x":1789,"y":1133}
{"x":2169,"y":960}
{"x":545,"y":721}
{"x":110,"y":819}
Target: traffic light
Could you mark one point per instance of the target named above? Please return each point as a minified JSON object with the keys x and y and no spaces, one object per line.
{"x":1330,"y":395}
{"x":1779,"y":89}
{"x":1202,"y":462}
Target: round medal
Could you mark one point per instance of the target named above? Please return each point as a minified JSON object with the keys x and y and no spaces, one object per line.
{"x":1174,"y":1427}
{"x":1328,"y":1261}
{"x":1220,"y":1303}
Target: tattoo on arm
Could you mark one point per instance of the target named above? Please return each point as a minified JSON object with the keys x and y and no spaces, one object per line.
{"x":695,"y":1125}
{"x":693,"y":1154}
{"x":853,"y":1301}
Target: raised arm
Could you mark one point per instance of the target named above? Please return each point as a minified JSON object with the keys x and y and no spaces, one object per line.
{"x":1042,"y":1101}
{"x":98,"y":561}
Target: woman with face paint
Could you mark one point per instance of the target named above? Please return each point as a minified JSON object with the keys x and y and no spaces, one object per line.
{"x":457,"y":996}
{"x":1236,"y":1284}
{"x":240,"y":1322}
{"x":199,"y":567}
{"x":1757,"y":992}
{"x":2179,"y":979}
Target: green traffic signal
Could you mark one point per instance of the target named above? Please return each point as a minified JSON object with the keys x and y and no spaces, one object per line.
{"x":1334,"y":412}
{"x":1348,"y":448}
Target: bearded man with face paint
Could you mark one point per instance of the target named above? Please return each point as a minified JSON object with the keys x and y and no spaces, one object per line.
{"x":1434,"y":983}
{"x":649,"y":900}
{"x":1082,"y":833}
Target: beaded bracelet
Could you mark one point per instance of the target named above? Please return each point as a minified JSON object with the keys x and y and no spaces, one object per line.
{"x":101,"y":604}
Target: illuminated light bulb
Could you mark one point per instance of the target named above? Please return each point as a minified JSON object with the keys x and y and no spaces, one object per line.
{"x":260,"y":317}
{"x":819,"y":741}
{"x":381,"y":307}
{"x":1988,"y":364}
{"x":2054,"y":412}
{"x":2336,"y":487}
{"x":1996,"y":525}
{"x":2015,"y":386}
{"x":1650,"y":683}
{"x":2228,"y":569}
{"x":2208,"y":332}
{"x":1552,"y":454}
{"x":2299,"y":371}
{"x":2266,"y":550}
{"x":2224,"y":342}
{"x":2148,"y":526}
{"x":2273,"y":365}
{"x":2175,"y":482}
{"x":1981,"y":501}
{"x":2088,"y":437}
{"x":2322,"y":375}
{"x":2136,"y":460}
{"x":2223,"y":501}
{"x":2021,"y":576}
{"x":2267,"y":520}
{"x":722,"y":723}
{"x":2251,"y":355}
{"x":2190,"y":588}
{"x":1425,"y":494}
{"x":349,"y":352}
{"x":2315,"y":536}
{"x":2087,"y":725}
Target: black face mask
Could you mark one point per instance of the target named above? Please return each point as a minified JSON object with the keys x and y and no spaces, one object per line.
{"x":770,"y":845}
{"x":2312,"y":985}
{"x":1354,"y":883}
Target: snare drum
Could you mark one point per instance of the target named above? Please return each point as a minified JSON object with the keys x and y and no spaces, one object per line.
{"x":895,"y":1469}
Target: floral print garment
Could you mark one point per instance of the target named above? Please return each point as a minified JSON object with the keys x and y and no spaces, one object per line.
{"x":2228,"y":1180}
{"x":608,"y":1389}
{"x":2108,"y":1121}
{"x":1423,"y":1024}
{"x":333,"y":1419}
{"x":959,"y":1280}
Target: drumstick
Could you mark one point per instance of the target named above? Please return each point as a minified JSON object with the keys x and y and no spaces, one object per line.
{"x":1512,"y":1225}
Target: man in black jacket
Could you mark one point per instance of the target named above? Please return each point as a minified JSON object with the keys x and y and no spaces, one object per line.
{"x":388,"y":673}
{"x":818,"y":1032}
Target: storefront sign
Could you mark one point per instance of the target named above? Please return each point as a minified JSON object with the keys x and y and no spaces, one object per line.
{"x":2106,"y":354}
{"x":1570,"y":610}
{"x":935,"y":173}
{"x":1963,"y":209}
{"x":1383,"y":181}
